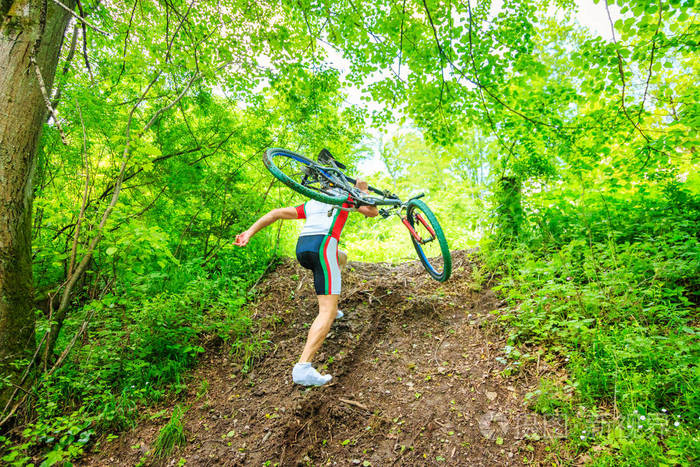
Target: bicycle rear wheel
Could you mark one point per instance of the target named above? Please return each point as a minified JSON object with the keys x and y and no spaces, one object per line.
{"x":303,"y":176}
{"x":429,"y":240}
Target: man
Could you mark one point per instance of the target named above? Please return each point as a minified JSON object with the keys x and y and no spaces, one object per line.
{"x":317,"y":250}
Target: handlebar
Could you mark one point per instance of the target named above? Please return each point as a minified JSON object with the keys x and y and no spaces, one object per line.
{"x":369,"y":187}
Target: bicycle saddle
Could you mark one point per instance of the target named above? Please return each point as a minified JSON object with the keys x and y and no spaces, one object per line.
{"x":325,"y":157}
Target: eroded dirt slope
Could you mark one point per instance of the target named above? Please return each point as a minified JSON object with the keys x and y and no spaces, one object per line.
{"x":416,"y":382}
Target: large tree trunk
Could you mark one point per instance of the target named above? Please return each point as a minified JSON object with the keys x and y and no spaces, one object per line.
{"x":22,"y":114}
{"x":509,"y":210}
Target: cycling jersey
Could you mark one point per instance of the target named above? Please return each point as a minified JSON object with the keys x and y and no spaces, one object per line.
{"x":322,"y":219}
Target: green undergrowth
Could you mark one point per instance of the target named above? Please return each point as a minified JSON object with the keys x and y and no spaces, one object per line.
{"x":612,"y":295}
{"x":138,"y":349}
{"x":171,"y":435}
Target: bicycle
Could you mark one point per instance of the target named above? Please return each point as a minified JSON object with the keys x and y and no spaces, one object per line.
{"x":325,"y":181}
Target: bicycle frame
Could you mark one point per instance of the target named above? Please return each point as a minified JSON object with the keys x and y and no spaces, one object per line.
{"x":337,"y":179}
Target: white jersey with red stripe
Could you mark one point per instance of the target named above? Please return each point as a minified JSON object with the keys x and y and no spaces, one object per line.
{"x":318,"y":222}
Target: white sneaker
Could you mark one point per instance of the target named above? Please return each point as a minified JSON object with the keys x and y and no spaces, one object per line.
{"x":306,"y":375}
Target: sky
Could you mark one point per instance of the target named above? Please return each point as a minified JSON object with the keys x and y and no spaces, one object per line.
{"x":595,"y":18}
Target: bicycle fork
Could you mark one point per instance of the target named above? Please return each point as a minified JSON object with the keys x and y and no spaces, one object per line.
{"x":413,"y":232}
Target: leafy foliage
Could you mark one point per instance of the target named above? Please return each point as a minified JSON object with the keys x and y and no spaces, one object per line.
{"x":613,"y":287}
{"x":569,"y":157}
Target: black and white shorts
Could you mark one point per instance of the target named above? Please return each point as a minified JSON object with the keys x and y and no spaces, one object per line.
{"x":319,"y":253}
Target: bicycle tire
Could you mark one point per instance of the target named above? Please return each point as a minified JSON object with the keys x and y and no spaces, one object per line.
{"x":273,"y":167}
{"x":431,"y":265}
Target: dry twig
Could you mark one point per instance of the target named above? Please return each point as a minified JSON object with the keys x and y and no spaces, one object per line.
{"x":354,"y":403}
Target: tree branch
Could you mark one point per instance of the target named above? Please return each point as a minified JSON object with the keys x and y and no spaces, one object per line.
{"x":143,"y":211}
{"x":85,"y":55}
{"x":620,"y":65}
{"x":481,"y":93}
{"x":82,"y":266}
{"x":651,"y":62}
{"x":69,"y":347}
{"x":66,"y":66}
{"x":172,"y":39}
{"x":170,"y":106}
{"x":47,"y":101}
{"x":80,"y":18}
{"x":126,"y":40}
{"x":477,"y":82}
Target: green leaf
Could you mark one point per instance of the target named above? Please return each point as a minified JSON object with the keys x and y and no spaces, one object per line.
{"x":53,"y":457}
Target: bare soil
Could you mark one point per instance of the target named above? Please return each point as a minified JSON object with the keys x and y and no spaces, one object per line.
{"x":416,"y":381}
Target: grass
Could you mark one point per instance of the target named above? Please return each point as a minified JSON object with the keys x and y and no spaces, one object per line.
{"x":171,"y":435}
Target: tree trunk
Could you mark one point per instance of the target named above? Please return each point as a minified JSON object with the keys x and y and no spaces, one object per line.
{"x":22,"y":114}
{"x":509,"y":210}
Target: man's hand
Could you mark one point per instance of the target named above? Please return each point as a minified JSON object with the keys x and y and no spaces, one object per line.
{"x":362,"y":185}
{"x":242,"y":238}
{"x":367,"y":211}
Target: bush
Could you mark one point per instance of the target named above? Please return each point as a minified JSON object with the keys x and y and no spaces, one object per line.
{"x":614,"y":295}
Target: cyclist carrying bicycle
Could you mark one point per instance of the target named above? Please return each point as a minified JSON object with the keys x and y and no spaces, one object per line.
{"x":317,"y":250}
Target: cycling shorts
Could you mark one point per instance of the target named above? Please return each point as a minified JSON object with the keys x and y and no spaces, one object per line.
{"x":319,"y":253}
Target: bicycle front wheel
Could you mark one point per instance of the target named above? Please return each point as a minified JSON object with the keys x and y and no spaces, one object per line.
{"x":429,"y":240}
{"x":303,"y":176}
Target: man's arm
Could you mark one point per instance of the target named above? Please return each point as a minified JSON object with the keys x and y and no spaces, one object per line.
{"x":269,"y":218}
{"x":368,"y":211}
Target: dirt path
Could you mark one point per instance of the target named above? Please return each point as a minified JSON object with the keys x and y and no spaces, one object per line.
{"x":416,"y":382}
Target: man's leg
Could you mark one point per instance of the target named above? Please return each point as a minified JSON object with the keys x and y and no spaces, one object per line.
{"x":303,"y":373}
{"x":327,"y":308}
